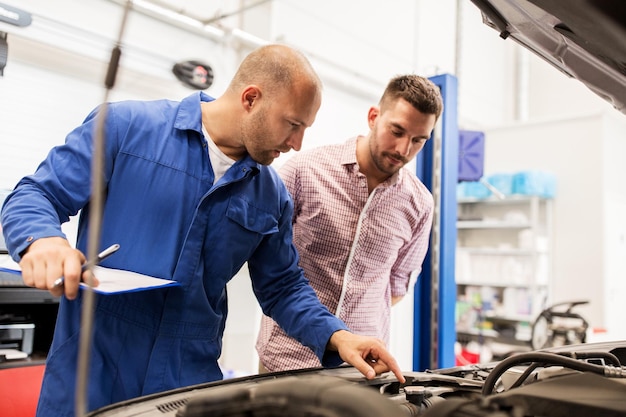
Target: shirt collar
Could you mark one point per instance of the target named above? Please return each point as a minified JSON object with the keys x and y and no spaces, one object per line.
{"x":348,"y":153}
{"x":189,"y":116}
{"x":348,"y":157}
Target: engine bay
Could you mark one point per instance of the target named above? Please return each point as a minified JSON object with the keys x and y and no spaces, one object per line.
{"x":573,"y":381}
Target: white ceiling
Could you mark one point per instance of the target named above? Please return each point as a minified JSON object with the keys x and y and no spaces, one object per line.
{"x":208,"y":11}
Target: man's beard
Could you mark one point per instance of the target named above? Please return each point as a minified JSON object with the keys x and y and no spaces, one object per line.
{"x":255,"y":136}
{"x":380,"y":158}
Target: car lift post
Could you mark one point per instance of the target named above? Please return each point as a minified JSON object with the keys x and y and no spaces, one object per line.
{"x":434,"y":332}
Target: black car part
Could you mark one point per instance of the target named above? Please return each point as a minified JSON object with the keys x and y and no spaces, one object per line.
{"x":556,"y":328}
{"x":584,"y":39}
{"x":311,"y":396}
{"x":573,"y":381}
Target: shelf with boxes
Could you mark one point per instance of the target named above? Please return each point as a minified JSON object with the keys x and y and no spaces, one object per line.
{"x":503,"y":266}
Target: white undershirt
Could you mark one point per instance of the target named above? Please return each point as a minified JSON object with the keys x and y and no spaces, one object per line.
{"x":219,"y":160}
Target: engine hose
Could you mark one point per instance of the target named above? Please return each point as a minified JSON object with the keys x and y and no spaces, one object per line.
{"x":549,"y":359}
{"x":607,"y":356}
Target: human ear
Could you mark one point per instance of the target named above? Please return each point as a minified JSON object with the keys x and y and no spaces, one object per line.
{"x":250,"y":95}
{"x":372,"y":115}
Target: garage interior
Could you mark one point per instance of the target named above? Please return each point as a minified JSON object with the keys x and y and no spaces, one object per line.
{"x":534,"y":123}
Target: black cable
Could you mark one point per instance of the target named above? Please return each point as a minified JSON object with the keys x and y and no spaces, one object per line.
{"x":549,"y":359}
{"x":607,"y":356}
{"x":526,"y":374}
{"x":95,"y":224}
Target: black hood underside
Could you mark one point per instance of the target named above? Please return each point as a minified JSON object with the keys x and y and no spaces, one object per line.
{"x":585,"y":39}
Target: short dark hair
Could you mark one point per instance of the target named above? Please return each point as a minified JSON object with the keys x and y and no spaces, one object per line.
{"x":422,"y":93}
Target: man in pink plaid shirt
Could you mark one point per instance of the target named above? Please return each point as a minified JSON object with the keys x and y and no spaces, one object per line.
{"x":361,"y":221}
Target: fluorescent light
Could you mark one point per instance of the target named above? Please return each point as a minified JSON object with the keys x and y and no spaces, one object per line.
{"x":175,"y":17}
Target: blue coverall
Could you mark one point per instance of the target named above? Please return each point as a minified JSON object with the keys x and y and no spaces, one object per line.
{"x":172,"y":222}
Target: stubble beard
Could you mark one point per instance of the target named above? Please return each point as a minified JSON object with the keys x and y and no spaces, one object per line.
{"x":255,"y":136}
{"x":380,"y":158}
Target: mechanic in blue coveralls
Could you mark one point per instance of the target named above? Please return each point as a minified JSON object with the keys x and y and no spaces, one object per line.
{"x":189,"y":197}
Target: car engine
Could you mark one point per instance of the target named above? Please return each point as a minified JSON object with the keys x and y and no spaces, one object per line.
{"x":570,"y":381}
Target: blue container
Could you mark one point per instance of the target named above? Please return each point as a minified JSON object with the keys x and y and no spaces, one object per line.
{"x":502,"y":182}
{"x":472,"y":189}
{"x":534,"y":182}
{"x":471,"y":155}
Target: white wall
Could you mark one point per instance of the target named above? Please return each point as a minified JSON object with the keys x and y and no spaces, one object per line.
{"x":587,"y":155}
{"x":548,"y":146}
{"x":56,"y":67}
{"x":614,"y":225}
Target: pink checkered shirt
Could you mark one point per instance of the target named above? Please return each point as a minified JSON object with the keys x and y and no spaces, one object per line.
{"x":357,"y":249}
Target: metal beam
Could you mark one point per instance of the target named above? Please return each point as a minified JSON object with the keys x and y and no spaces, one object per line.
{"x":434,"y":332}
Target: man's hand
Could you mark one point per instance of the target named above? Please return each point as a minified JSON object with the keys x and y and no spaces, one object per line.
{"x":367,"y":354}
{"x":48,"y":259}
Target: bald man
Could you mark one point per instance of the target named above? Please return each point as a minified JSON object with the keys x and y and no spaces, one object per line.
{"x":189,"y":197}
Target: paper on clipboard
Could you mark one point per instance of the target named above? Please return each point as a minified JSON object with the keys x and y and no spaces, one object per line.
{"x":116,"y":281}
{"x":112,"y":281}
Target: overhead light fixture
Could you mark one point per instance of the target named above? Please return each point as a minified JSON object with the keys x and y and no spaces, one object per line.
{"x":177,"y":17}
{"x":14,"y":16}
{"x":168,"y":13}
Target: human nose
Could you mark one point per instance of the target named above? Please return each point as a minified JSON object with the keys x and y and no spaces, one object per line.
{"x":403,"y":146}
{"x":295,"y":140}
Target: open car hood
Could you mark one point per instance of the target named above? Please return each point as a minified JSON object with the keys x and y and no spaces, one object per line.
{"x":568,"y":381}
{"x":585,"y":39}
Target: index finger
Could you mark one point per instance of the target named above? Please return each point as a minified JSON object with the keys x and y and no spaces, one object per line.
{"x":383,"y":361}
{"x":362,"y":366}
{"x":72,"y":272}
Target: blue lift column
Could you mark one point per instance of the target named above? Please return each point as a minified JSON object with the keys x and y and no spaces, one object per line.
{"x":434,"y":332}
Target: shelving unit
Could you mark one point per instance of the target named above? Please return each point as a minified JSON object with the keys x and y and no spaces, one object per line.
{"x":503,"y":267}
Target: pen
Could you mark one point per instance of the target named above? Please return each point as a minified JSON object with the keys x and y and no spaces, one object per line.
{"x":89,"y":264}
